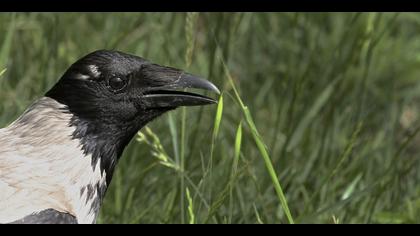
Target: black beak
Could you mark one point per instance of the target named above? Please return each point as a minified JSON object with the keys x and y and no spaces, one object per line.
{"x":166,"y":81}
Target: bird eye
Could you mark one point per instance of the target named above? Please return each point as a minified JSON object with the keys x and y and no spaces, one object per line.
{"x":117,"y":83}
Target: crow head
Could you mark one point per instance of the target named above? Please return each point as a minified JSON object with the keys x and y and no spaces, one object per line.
{"x":112,"y":95}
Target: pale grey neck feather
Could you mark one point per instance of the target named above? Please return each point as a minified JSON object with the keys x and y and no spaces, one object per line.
{"x":43,"y":167}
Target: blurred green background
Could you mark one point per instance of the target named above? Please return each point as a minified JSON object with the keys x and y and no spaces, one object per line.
{"x":334,"y":96}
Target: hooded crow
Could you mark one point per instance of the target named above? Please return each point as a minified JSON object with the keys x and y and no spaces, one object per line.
{"x":57,"y":159}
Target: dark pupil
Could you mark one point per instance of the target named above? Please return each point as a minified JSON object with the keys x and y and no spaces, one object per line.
{"x":116,"y":83}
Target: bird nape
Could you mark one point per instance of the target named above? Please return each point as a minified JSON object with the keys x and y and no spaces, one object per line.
{"x":57,"y":159}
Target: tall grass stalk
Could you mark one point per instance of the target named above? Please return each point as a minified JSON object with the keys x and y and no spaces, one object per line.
{"x":189,"y":32}
{"x":261,"y":146}
{"x":238,"y":144}
{"x":190,"y":207}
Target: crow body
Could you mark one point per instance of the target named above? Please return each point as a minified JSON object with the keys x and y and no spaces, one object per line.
{"x":57,"y":159}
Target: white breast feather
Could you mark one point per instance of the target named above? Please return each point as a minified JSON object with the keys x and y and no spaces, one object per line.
{"x":47,"y":169}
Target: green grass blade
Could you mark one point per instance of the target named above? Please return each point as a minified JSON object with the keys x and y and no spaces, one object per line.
{"x":190,"y":207}
{"x":238,"y":142}
{"x":190,"y":21}
{"x":261,"y":147}
{"x":7,"y":43}
{"x":174,"y":137}
{"x":257,"y":215}
{"x":351,"y":188}
{"x":189,"y":32}
{"x":182,"y":164}
{"x":118,"y":194}
{"x":217,"y":121}
{"x":344,"y":156}
{"x":218,"y":118}
{"x":348,"y":150}
{"x":3,"y":71}
{"x":309,"y":116}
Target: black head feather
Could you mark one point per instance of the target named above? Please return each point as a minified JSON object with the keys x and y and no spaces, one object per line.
{"x":112,"y":95}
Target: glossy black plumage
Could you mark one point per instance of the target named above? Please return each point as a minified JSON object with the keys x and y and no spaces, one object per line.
{"x":49,"y":216}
